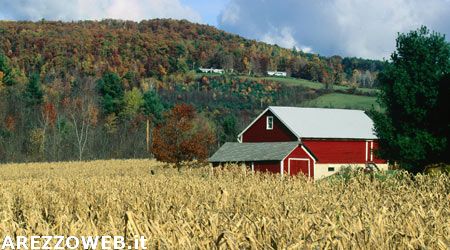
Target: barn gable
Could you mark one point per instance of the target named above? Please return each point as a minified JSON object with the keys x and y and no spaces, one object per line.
{"x":257,"y":131}
{"x":300,"y":160}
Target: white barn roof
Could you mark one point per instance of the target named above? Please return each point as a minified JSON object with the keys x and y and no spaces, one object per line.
{"x":324,"y":123}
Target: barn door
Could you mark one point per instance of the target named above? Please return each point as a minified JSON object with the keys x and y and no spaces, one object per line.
{"x":299,"y":165}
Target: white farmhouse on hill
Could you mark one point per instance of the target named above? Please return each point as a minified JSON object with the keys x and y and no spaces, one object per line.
{"x":211,"y":70}
{"x":276,"y":73}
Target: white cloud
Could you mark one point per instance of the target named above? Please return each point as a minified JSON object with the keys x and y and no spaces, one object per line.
{"x":284,"y":37}
{"x":96,"y":9}
{"x":230,"y":14}
{"x":364,"y":28}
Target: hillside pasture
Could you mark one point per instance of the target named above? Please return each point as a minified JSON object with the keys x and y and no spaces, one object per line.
{"x":204,"y":208}
{"x":311,"y":84}
{"x":345,"y":101}
{"x":296,"y":82}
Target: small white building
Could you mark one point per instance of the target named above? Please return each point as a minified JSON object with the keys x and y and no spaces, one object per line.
{"x":277,"y":73}
{"x":211,"y":70}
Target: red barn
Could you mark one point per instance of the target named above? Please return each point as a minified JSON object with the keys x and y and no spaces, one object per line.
{"x":314,"y":141}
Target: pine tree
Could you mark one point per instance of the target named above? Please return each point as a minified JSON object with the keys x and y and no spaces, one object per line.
{"x":6,"y":73}
{"x":152,"y":106}
{"x":111,"y":89}
{"x":33,"y":95}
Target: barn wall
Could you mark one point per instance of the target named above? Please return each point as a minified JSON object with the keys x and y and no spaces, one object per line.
{"x":322,"y":170}
{"x":258,"y":132}
{"x":267,"y":166}
{"x":298,"y":153}
{"x":341,"y":151}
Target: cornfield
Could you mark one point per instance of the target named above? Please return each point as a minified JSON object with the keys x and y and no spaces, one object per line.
{"x":205,"y":208}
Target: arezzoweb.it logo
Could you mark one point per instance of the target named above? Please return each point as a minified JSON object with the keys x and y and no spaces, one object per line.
{"x":72,"y":242}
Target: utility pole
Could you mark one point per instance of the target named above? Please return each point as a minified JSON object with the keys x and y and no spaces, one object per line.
{"x":148,"y":135}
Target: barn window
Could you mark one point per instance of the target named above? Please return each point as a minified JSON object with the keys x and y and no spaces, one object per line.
{"x":269,"y":123}
{"x":330,"y":169}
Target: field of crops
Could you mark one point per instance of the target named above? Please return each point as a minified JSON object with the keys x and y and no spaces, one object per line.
{"x":205,"y":208}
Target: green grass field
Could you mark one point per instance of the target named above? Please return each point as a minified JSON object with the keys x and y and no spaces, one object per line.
{"x":308,"y":84}
{"x":293,"y":81}
{"x":346,"y":101}
{"x":332,"y":100}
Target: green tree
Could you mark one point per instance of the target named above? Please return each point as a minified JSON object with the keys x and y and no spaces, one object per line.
{"x":229,"y":129}
{"x":111,"y":89}
{"x":132,"y":102}
{"x":414,"y":130}
{"x":6,"y":73}
{"x":33,"y":95}
{"x":152,"y":105}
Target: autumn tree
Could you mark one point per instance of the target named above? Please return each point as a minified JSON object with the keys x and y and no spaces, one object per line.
{"x":132,"y":103}
{"x":414,"y":129}
{"x":82,"y":111}
{"x":47,"y":120}
{"x":247,"y":65}
{"x":338,"y":73}
{"x":184,"y":136}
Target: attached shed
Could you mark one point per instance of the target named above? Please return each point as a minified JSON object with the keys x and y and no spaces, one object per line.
{"x":275,"y":157}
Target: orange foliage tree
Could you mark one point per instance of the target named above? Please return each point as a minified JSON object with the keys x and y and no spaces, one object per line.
{"x":184,"y":136}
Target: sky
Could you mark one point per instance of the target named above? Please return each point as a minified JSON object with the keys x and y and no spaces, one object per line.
{"x":361,"y":28}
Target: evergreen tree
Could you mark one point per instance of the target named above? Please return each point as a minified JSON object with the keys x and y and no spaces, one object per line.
{"x":6,"y":73}
{"x":152,"y":105}
{"x":111,"y":89}
{"x":229,"y":129}
{"x":33,"y":95}
{"x":414,"y":130}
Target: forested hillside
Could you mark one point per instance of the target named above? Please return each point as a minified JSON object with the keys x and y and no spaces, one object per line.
{"x":86,"y":89}
{"x":156,"y":48}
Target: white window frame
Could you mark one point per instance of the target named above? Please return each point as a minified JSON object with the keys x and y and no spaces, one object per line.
{"x":267,"y":122}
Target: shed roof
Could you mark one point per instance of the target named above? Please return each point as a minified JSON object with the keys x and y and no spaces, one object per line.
{"x":245,"y":152}
{"x":324,"y":123}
